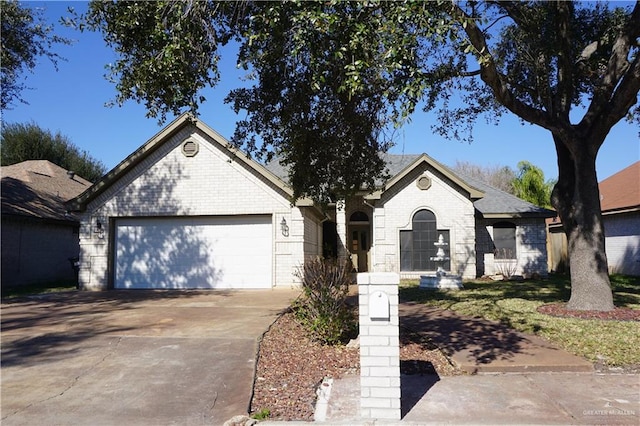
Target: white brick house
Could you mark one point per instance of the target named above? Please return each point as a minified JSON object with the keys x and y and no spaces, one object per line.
{"x":187,"y":210}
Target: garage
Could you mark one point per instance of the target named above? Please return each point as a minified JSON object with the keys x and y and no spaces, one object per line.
{"x":193,"y":252}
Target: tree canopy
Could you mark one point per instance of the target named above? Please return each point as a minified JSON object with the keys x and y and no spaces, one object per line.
{"x":25,"y":38}
{"x":331,"y":78}
{"x":21,"y":142}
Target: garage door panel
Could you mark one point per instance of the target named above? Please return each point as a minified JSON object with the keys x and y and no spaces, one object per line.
{"x":203,"y":252}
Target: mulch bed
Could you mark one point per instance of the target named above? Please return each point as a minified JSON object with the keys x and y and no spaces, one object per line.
{"x":617,"y":314}
{"x":291,"y":367}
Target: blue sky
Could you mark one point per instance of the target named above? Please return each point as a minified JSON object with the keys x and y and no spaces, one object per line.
{"x":72,"y":101}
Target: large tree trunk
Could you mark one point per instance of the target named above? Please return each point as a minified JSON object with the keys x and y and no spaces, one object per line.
{"x":577,"y":199}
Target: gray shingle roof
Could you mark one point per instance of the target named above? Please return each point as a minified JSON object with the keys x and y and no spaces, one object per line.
{"x":398,"y":162}
{"x":275,"y":167}
{"x":395,"y":164}
{"x":495,"y":202}
{"x":39,"y":189}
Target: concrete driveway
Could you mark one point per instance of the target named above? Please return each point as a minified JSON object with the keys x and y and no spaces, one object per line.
{"x":133,"y":357}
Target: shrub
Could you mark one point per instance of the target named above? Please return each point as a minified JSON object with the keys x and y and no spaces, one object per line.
{"x":322,"y":308}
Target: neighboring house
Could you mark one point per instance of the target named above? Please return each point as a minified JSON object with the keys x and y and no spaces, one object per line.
{"x":620,"y":204}
{"x":38,"y":235}
{"x":188,"y":210}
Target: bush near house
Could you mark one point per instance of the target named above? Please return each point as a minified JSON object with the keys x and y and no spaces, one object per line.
{"x":322,"y":308}
{"x":610,"y":342}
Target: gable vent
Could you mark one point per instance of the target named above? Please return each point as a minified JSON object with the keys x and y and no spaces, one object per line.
{"x":190,"y":148}
{"x":423,"y":183}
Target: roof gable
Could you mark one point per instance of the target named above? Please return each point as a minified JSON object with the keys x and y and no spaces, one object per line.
{"x":621,"y":190}
{"x":148,"y":148}
{"x":488,"y":201}
{"x":404,"y":166}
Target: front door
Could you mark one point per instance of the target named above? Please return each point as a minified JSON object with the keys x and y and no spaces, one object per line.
{"x":360,"y":247}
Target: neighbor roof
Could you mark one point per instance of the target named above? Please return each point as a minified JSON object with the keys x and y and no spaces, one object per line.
{"x":621,"y":190}
{"x":39,"y":189}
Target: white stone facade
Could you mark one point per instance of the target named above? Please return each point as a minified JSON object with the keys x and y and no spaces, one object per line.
{"x":164,"y":179}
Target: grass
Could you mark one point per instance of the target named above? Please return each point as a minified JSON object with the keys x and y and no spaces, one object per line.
{"x":38,"y":288}
{"x":515,"y":304}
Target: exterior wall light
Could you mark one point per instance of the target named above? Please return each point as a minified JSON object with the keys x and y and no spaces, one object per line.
{"x":284,"y":227}
{"x":99,"y":229}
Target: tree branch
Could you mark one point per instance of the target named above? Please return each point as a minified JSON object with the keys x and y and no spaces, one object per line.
{"x":469,"y":73}
{"x":565,"y":92}
{"x":624,"y":97}
{"x":614,"y":97}
{"x":492,"y":77}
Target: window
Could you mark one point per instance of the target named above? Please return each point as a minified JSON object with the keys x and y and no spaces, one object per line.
{"x":417,"y":246}
{"x":504,"y":240}
{"x":359,"y":217}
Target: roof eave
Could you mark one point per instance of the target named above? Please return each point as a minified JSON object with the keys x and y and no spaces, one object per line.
{"x":621,"y":210}
{"x":518,"y":215}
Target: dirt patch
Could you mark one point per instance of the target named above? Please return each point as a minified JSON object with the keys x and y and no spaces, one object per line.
{"x":617,"y":314}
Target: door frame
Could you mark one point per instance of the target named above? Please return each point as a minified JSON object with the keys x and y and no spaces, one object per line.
{"x":360,"y":254}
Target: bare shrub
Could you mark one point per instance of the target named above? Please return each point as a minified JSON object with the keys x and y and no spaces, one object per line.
{"x":322,"y":308}
{"x":505,"y":263}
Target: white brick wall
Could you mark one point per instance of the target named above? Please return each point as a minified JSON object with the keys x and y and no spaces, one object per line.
{"x":453,"y":211}
{"x":167,"y":183}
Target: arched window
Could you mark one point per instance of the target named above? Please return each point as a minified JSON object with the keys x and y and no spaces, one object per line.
{"x":504,"y":240}
{"x":417,"y":245}
{"x":359,"y":216}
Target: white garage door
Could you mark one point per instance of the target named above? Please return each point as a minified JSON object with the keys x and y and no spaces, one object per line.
{"x":193,"y":252}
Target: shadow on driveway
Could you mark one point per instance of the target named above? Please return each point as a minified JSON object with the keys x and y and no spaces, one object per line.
{"x":133,"y":357}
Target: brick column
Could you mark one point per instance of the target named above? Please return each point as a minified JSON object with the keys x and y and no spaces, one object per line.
{"x":379,"y":345}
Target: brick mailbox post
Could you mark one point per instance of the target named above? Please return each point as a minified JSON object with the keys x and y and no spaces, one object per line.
{"x":379,"y":346}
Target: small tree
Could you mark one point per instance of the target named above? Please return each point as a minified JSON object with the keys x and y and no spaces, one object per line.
{"x":21,"y":142}
{"x":530,"y":185}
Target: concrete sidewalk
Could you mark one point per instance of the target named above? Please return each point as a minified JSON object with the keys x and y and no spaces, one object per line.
{"x":516,"y":379}
{"x":512,"y":398}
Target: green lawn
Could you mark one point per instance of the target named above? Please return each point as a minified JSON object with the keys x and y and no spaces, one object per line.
{"x":615,"y":343}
